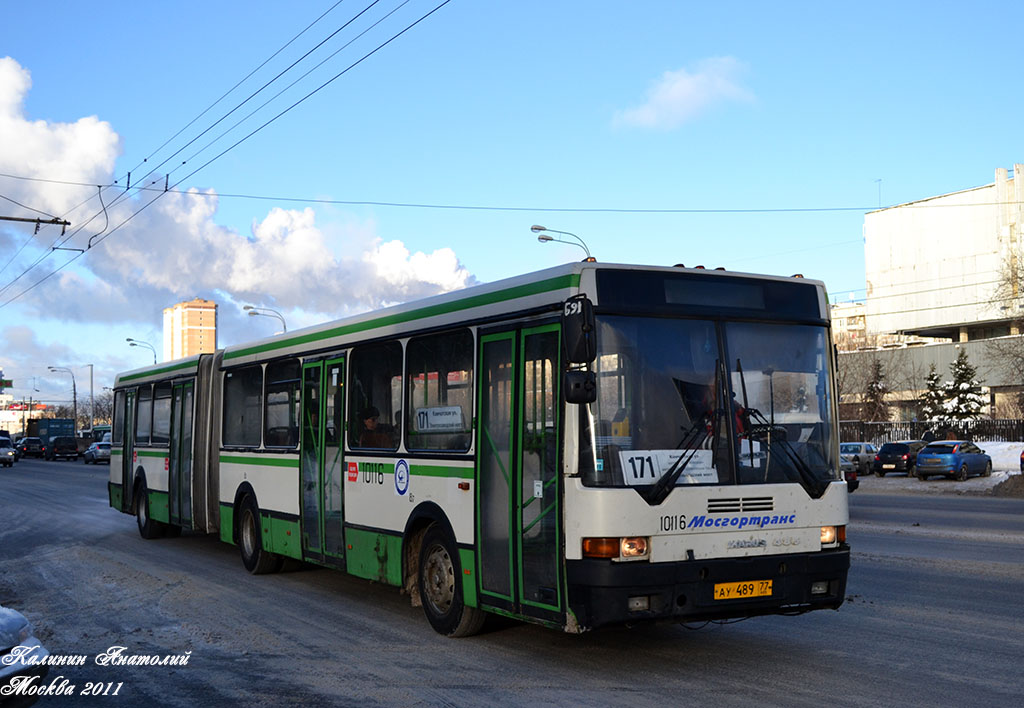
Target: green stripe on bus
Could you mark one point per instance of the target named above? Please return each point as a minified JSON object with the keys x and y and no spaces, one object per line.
{"x":114,"y":491}
{"x":374,"y":556}
{"x":563,"y":281}
{"x":430,"y":471}
{"x":162,"y":370}
{"x":158,"y":506}
{"x":467,"y":559}
{"x":259,"y":461}
{"x":281,"y":536}
{"x":227,"y":523}
{"x":151,"y":453}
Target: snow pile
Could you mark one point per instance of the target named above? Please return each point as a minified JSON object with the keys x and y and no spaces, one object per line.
{"x":1005,"y":455}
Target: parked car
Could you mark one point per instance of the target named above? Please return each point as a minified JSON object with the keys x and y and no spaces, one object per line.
{"x":957,"y":459}
{"x":16,"y":631}
{"x":30,"y":447}
{"x":62,"y":447}
{"x":849,"y":470}
{"x":897,"y":457}
{"x":96,"y":453}
{"x":7,"y":454}
{"x":861,"y":453}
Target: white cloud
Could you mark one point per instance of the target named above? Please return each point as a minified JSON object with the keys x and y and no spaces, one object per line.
{"x":174,"y":250}
{"x":83,"y":151}
{"x":683,"y":95}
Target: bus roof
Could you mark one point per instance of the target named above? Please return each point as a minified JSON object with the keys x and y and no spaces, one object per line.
{"x":534,"y":290}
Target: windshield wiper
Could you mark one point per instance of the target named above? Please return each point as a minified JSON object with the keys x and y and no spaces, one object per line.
{"x":699,"y":429}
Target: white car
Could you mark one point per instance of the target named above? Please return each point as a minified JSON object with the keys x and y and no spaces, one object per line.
{"x":98,"y":452}
{"x":7,"y":454}
{"x":20,"y":654}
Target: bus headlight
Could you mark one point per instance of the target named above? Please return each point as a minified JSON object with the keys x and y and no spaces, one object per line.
{"x":622,"y":549}
{"x":831,"y":535}
{"x":635,"y":548}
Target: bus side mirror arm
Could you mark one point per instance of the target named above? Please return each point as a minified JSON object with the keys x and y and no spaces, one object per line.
{"x":580,"y":386}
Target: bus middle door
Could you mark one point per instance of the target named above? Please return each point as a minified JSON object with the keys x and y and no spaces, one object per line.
{"x":322,"y":461}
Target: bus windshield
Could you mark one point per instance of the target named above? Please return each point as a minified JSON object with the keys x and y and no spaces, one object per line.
{"x":735,"y":402}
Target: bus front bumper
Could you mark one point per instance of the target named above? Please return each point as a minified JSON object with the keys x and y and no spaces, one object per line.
{"x":605,"y":593}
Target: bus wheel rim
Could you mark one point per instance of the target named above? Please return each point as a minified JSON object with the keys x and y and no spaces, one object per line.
{"x":248,"y":534}
{"x":439,"y":579}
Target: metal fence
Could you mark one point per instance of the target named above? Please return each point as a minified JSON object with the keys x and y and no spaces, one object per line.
{"x":991,"y":430}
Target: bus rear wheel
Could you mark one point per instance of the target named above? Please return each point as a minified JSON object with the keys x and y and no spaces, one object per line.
{"x":440,"y":587}
{"x":148,"y":527}
{"x":256,"y":560}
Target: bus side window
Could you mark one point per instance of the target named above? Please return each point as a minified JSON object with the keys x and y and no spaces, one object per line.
{"x":375,"y":375}
{"x":440,"y":388}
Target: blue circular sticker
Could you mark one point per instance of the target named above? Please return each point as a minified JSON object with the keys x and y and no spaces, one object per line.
{"x":401,"y":477}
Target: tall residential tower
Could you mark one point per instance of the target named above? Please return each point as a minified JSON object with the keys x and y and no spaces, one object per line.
{"x":190,"y":328}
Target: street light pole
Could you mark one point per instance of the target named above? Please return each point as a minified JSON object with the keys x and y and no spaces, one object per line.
{"x":545,"y":237}
{"x":140,"y":343}
{"x":74,"y":396}
{"x":267,"y":312}
{"x":92,"y":401}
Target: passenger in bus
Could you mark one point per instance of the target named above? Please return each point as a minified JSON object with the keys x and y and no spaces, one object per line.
{"x":374,"y":434}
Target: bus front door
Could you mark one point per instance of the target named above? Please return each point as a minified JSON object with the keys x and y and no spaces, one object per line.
{"x":518,"y":501}
{"x":179,"y":460}
{"x":322,"y":451}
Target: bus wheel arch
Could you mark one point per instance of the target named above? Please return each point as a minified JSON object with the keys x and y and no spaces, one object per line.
{"x":421,"y":518}
{"x":247,"y":533}
{"x":432,"y":573}
{"x":440,"y":586}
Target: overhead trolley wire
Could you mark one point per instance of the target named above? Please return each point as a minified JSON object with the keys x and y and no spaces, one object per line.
{"x":499,"y":207}
{"x":124,"y":195}
{"x":229,"y":149}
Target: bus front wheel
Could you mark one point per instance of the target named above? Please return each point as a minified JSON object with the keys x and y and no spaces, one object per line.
{"x":440,"y":586}
{"x":256,"y":560}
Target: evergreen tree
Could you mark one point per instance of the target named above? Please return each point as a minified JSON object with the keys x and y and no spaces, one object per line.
{"x":964,"y":400}
{"x":932,"y":410}
{"x":875,"y":407}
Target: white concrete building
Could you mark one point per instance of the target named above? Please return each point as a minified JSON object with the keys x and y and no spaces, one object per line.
{"x":933,"y":266}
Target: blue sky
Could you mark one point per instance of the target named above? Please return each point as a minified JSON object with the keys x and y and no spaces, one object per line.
{"x":766,"y":127}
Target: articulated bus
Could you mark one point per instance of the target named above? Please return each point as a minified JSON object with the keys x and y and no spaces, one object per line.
{"x":584,"y":446}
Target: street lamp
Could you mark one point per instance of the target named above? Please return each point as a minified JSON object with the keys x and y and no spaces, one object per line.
{"x":74,"y":395}
{"x":545,"y":237}
{"x":140,"y":343}
{"x":266,"y":312}
{"x":27,"y":409}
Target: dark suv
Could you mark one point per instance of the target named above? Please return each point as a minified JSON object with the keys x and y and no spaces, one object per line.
{"x":61,"y":447}
{"x":30,"y":447}
{"x":898,"y":457}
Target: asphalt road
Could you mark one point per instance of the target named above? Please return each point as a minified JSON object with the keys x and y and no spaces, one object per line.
{"x":933,"y":618}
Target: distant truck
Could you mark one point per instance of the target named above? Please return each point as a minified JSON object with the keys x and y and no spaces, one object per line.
{"x":47,"y":428}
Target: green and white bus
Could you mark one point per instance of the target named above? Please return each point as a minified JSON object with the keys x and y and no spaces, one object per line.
{"x":588,"y":445}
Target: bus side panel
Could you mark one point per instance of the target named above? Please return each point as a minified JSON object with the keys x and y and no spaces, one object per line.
{"x":372,"y":499}
{"x":374,"y":556}
{"x":154,"y":463}
{"x":274,"y":479}
{"x":116,"y":492}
